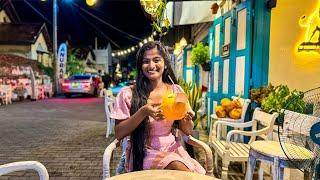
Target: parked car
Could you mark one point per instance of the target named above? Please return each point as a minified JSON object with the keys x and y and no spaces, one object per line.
{"x":81,"y":84}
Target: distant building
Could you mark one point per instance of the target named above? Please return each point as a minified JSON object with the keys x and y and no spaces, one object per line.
{"x":103,"y":58}
{"x":28,"y":40}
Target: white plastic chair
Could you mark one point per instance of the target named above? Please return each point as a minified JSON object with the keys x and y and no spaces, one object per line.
{"x":188,"y":139}
{"x":7,"y":93}
{"x":108,"y":107}
{"x":245,"y":104}
{"x":25,"y":165}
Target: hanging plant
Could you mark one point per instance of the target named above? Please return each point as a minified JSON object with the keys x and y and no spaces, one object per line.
{"x":200,"y":54}
{"x":155,"y":10}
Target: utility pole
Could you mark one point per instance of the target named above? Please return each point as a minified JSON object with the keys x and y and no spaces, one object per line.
{"x":55,"y":59}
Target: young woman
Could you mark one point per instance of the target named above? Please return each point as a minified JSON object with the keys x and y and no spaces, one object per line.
{"x":138,"y":115}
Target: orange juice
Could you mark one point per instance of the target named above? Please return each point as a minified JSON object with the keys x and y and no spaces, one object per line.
{"x":174,"y":106}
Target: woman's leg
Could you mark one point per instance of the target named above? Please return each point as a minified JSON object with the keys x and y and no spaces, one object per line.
{"x":177,"y":165}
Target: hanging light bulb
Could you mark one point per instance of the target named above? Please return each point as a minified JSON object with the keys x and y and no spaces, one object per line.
{"x":129,"y":50}
{"x":150,"y":38}
{"x":118,"y":53}
{"x":183,"y":42}
{"x":132,"y":49}
{"x":154,"y":33}
{"x":145,"y":41}
{"x":91,"y":2}
{"x":140,"y":44}
{"x":113,"y":54}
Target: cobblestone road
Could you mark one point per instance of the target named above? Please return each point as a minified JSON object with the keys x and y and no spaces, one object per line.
{"x":66,"y":135}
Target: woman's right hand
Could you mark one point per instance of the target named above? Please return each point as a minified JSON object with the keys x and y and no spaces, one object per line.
{"x":152,"y":109}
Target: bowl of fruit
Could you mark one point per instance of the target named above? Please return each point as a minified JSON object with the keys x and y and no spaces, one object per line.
{"x":229,"y":108}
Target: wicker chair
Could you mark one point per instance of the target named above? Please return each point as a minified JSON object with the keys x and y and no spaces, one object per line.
{"x":188,"y":139}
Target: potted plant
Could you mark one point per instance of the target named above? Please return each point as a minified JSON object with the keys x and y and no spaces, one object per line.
{"x":258,"y":94}
{"x":194,"y":95}
{"x":282,"y":98}
{"x":200,"y":56}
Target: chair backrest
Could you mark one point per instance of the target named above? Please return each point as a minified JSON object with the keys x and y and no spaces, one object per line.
{"x":266,"y":120}
{"x":245,"y":104}
{"x":108,"y":105}
{"x":106,"y":93}
{"x":25,"y":165}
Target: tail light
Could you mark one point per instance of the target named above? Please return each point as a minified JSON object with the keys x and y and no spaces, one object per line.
{"x":65,"y":84}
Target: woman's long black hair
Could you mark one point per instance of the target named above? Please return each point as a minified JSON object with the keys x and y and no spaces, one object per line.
{"x":140,"y":94}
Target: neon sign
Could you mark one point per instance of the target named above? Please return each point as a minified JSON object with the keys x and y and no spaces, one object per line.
{"x":311,"y":42}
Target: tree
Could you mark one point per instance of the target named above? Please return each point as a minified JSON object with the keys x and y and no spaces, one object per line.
{"x":74,"y":65}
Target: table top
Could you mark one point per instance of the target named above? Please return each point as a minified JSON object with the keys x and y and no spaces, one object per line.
{"x":161,"y":175}
{"x":274,"y":149}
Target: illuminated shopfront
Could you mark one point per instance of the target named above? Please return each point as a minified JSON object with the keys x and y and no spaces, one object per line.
{"x":295,"y":44}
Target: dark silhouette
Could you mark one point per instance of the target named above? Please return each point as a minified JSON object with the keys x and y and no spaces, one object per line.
{"x":106,"y":78}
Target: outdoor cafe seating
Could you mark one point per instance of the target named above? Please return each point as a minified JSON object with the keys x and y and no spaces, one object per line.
{"x":237,"y":151}
{"x":107,"y":156}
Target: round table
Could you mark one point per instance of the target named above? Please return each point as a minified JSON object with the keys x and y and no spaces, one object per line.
{"x":161,"y":175}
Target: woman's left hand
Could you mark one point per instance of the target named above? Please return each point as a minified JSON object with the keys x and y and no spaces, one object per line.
{"x":186,"y":123}
{"x":188,"y":116}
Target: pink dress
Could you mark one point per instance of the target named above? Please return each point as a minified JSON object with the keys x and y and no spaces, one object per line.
{"x":162,"y":147}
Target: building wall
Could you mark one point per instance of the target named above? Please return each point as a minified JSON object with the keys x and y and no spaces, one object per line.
{"x":299,"y":70}
{"x":4,"y":17}
{"x":20,"y":50}
{"x":102,"y":59}
{"x":45,"y":59}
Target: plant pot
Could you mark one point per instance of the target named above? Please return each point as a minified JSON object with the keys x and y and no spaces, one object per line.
{"x":214,"y":8}
{"x":206,"y":66}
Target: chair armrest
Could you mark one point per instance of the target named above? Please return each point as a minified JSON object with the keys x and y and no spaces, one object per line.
{"x":199,"y":144}
{"x":233,"y":124}
{"x":246,"y":133}
{"x":25,"y":165}
{"x":213,"y":116}
{"x":107,"y":157}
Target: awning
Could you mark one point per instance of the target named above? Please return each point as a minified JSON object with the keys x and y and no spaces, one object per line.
{"x":189,"y":12}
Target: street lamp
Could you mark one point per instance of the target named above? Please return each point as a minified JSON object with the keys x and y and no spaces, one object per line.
{"x":55,"y":45}
{"x":55,"y":13}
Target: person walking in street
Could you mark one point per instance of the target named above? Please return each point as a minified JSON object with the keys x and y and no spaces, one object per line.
{"x":137,"y":112}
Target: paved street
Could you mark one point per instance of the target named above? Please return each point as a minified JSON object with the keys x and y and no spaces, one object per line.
{"x":66,"y":135}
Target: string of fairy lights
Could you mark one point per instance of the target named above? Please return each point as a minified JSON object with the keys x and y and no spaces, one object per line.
{"x":132,"y":49}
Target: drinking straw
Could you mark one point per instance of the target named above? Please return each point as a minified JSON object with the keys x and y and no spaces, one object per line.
{"x":172,"y":84}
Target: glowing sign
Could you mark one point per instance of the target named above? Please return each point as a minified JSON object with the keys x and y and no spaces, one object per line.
{"x":311,"y":41}
{"x":62,"y":60}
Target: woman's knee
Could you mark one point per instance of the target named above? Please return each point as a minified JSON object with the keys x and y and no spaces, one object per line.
{"x":177,"y":165}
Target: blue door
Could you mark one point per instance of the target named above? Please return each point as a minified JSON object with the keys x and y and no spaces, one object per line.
{"x":231,"y":54}
{"x":231,"y":68}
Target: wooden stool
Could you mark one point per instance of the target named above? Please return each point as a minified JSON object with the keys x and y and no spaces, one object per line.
{"x":271,"y":152}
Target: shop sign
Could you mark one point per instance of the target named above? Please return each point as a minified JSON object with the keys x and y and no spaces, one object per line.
{"x":311,"y":41}
{"x":225,"y":50}
{"x":62,"y":60}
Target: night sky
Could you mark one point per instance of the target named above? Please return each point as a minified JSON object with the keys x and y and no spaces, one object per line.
{"x":81,"y":28}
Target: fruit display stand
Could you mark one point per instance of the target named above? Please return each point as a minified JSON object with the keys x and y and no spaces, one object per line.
{"x":230,"y":111}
